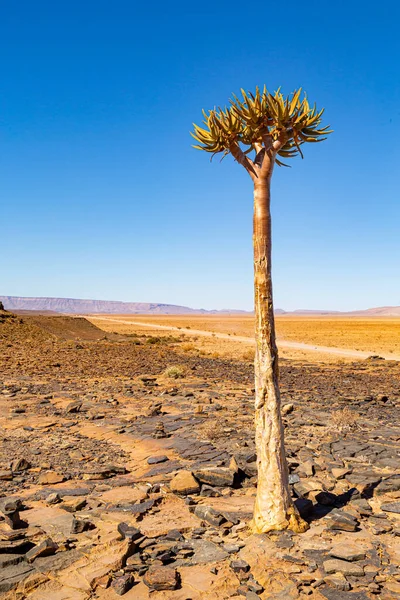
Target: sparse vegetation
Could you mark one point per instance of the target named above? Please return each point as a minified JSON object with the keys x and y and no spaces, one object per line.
{"x":175,"y":372}
{"x":213,"y":429}
{"x":344,"y":419}
{"x":248,"y":355}
{"x":188,"y":347}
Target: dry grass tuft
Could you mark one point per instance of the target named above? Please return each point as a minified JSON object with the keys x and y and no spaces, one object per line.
{"x":248,"y":355}
{"x":187,"y":347}
{"x":344,"y":419}
{"x":213,"y":429}
{"x":175,"y":372}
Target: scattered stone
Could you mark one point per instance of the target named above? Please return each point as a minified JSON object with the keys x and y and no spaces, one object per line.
{"x":159,"y":431}
{"x":11,"y":546}
{"x":240,"y":566}
{"x":293,"y":478}
{"x":46,"y":548}
{"x":81,"y":525}
{"x":74,"y":505}
{"x":209,"y":492}
{"x":287,"y":409}
{"x":103,"y":581}
{"x":53,"y":498}
{"x":326,"y":498}
{"x":20,"y":464}
{"x":12,"y":575}
{"x":342,"y":521}
{"x":123,"y":584}
{"x":349,"y":552}
{"x":50,"y":477}
{"x":6,"y":475}
{"x":252,"y":596}
{"x":231,"y":548}
{"x":338,"y":581}
{"x":219,"y":476}
{"x":184,"y":483}
{"x":154,"y":409}
{"x":10,"y":510}
{"x":206,"y":513}
{"x":8,"y":560}
{"x":155,"y":460}
{"x":390,"y":484}
{"x":393,"y":507}
{"x":334,"y":565}
{"x":340,"y":472}
{"x":74,"y":407}
{"x":161,"y":578}
{"x":362,"y":505}
{"x":129,"y":532}
{"x":334,"y":594}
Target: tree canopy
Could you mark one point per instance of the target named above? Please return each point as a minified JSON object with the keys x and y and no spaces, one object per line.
{"x":261,"y":122}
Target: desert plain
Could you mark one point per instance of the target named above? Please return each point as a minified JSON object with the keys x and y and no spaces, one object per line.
{"x":127,"y":463}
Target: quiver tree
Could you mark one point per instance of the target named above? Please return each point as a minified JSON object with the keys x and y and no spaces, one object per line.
{"x":259,"y":131}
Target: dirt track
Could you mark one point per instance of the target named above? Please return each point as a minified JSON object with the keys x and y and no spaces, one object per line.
{"x":282,"y":343}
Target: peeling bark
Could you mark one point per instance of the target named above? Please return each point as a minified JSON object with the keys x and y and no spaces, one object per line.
{"x":274,"y":509}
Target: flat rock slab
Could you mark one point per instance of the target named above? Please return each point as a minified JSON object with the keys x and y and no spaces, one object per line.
{"x":11,"y":576}
{"x":63,"y":492}
{"x":184,"y":483}
{"x":219,"y":476}
{"x":335,"y":565}
{"x":349,"y":552}
{"x":332,"y":594}
{"x":205,"y":552}
{"x":393,"y":507}
{"x":8,"y":560}
{"x":59,"y":561}
{"x":391,"y":484}
{"x":54,"y":521}
{"x":136,"y":509}
{"x":341,"y":521}
{"x":161,"y":578}
{"x":162,"y":469}
{"x":14,"y":546}
{"x":124,"y":494}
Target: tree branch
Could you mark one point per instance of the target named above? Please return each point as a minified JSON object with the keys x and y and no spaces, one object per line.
{"x":281,"y":141}
{"x":243,"y":160}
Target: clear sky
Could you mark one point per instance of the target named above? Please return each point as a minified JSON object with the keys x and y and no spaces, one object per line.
{"x":103,"y":197}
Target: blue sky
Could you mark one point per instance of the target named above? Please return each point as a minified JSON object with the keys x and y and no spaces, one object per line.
{"x":102,"y":196}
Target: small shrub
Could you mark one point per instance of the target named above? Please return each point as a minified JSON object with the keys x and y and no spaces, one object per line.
{"x":248,"y":355}
{"x":188,"y":347}
{"x":344,"y":419}
{"x":174,"y":372}
{"x":213,"y":429}
{"x":153,"y":340}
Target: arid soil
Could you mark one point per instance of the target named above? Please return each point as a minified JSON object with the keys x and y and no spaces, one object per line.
{"x":328,"y":339}
{"x":371,"y":334}
{"x":127,"y":469}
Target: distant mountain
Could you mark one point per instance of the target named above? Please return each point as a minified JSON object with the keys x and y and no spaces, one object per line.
{"x":83,"y":307}
{"x":76,"y":306}
{"x":382,"y":311}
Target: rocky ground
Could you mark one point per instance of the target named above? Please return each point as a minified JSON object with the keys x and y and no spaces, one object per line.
{"x":122,"y":476}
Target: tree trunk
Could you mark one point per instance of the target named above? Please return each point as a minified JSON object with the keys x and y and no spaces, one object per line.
{"x":274,"y":509}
